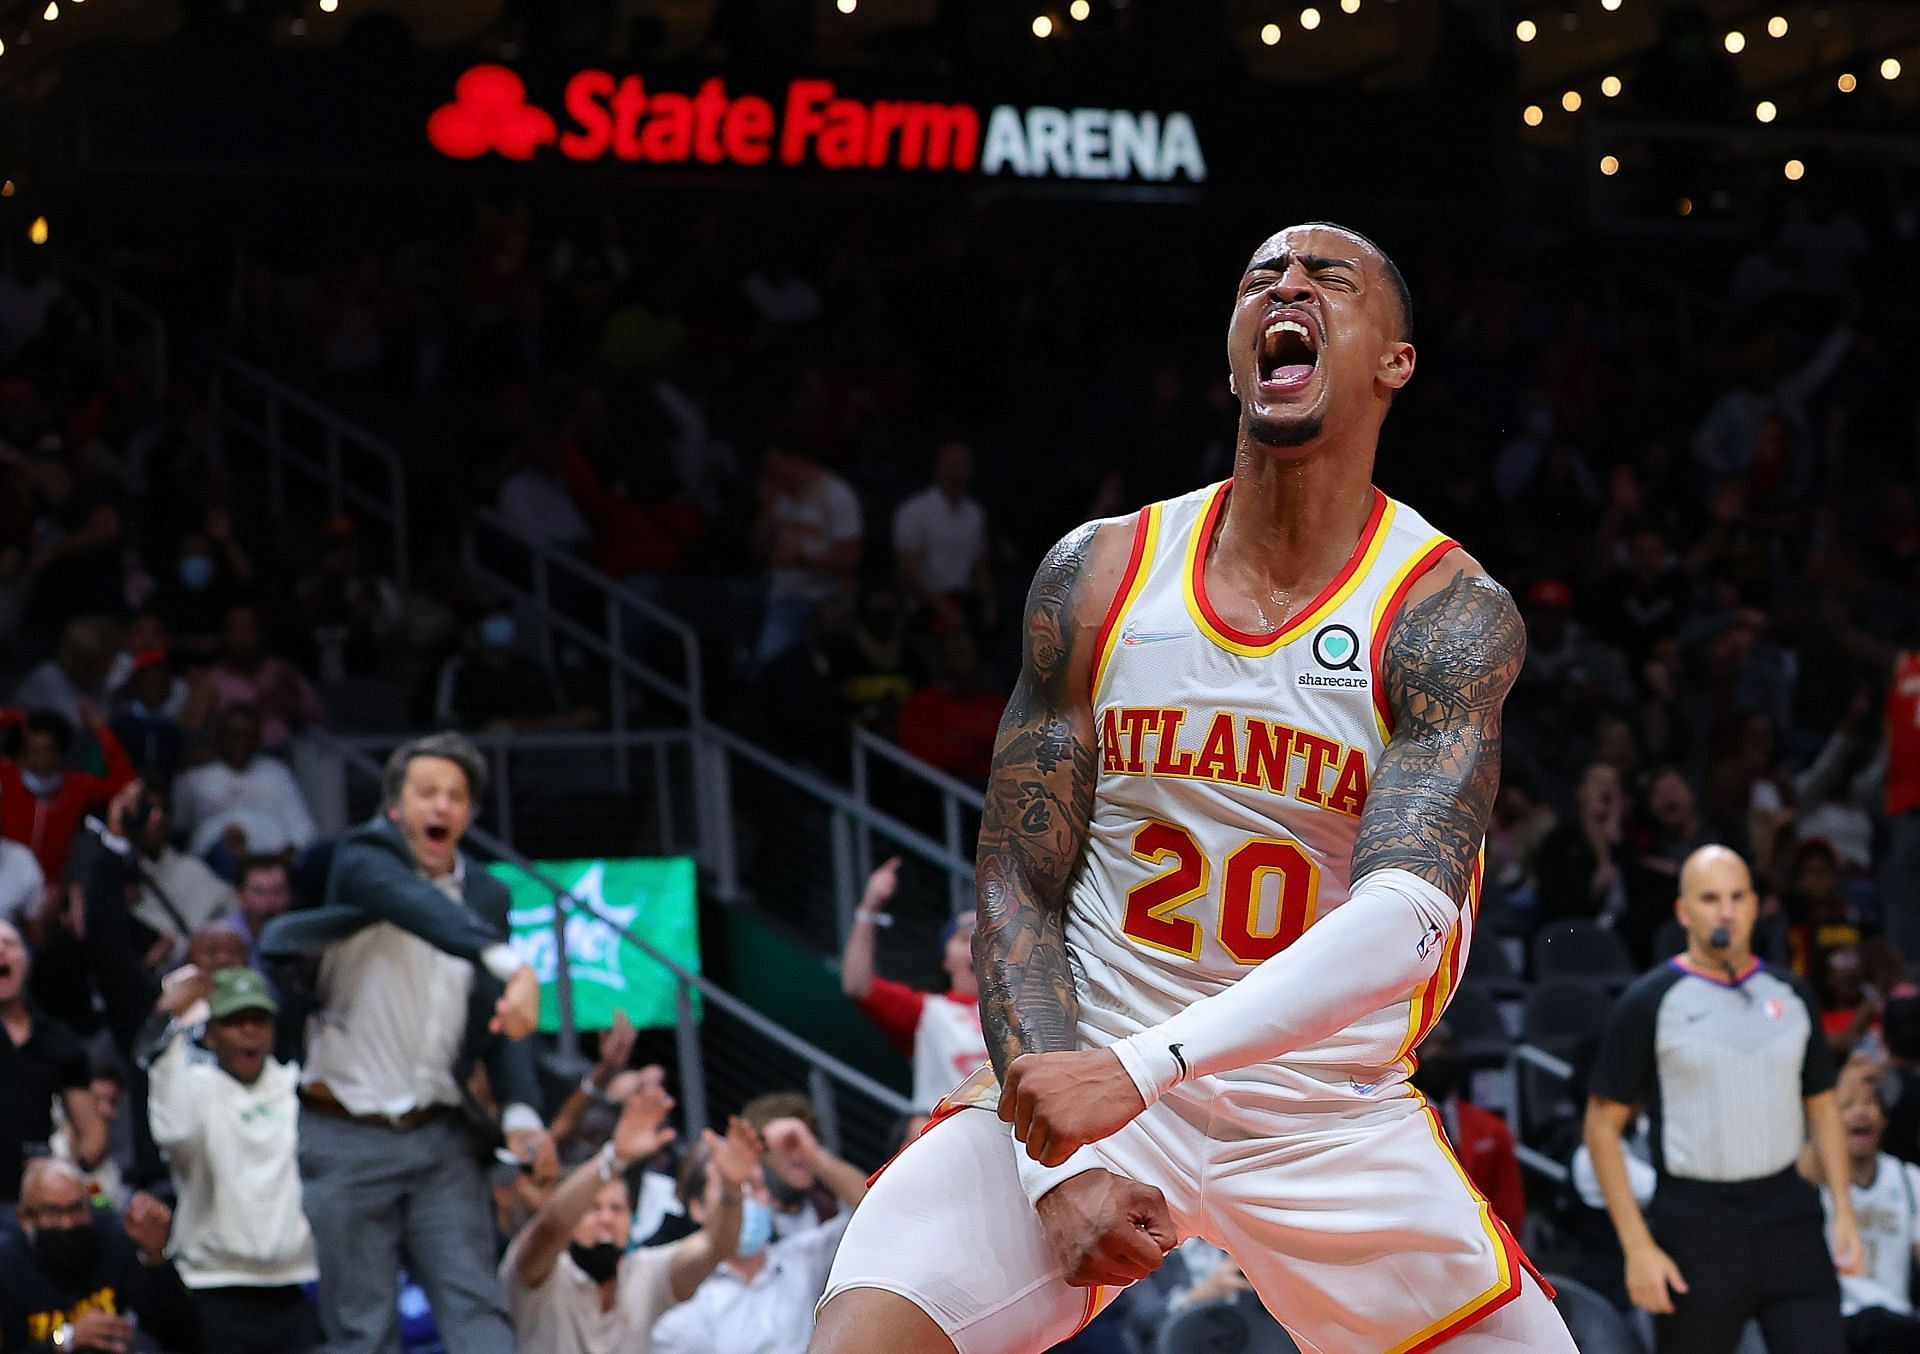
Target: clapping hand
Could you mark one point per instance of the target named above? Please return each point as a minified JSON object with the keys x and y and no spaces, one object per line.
{"x":517,"y":1013}
{"x":616,"y":1046}
{"x":735,"y":1157}
{"x":178,"y":995}
{"x":148,"y":1223}
{"x":795,"y":1152}
{"x":641,"y":1130}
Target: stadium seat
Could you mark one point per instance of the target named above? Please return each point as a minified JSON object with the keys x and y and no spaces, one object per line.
{"x":1236,"y":1325}
{"x":1477,"y":1025}
{"x":1582,"y":949}
{"x":1490,"y":966}
{"x":1564,"y":1017}
{"x":1596,"y":1325}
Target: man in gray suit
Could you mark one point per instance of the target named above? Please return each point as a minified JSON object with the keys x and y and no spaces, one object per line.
{"x":415,"y":984}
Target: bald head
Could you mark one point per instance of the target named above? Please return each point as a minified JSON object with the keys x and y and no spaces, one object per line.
{"x":1714,"y":869}
{"x":1716,"y":893}
{"x":46,"y":1177}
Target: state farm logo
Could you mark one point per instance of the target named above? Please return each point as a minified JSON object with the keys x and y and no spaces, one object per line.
{"x":813,"y":126}
{"x":489,"y":112}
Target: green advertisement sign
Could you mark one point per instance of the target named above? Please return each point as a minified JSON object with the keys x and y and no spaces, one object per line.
{"x":654,"y":899}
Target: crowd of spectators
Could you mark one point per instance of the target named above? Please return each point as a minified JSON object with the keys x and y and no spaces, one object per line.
{"x":840,"y":460}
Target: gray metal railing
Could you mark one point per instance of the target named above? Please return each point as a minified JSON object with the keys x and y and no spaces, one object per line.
{"x":1560,"y":1070}
{"x":960,"y":808}
{"x":116,"y":310}
{"x":834,"y":1086}
{"x":299,"y":436}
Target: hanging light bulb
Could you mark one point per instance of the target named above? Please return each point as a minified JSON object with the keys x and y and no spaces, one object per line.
{"x":52,"y":11}
{"x":1080,"y":10}
{"x":1534,"y":116}
{"x":1777,"y":26}
{"x":1765,"y":111}
{"x":1611,"y":86}
{"x":1270,"y":34}
{"x":1795,"y":170}
{"x":1736,"y":42}
{"x":1042,"y":25}
{"x":1526,"y":30}
{"x":1309,"y":18}
{"x":1571,"y":101}
{"x":1609,"y":165}
{"x":37,"y":232}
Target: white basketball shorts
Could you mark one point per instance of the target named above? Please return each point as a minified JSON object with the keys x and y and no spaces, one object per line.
{"x":1362,"y":1235}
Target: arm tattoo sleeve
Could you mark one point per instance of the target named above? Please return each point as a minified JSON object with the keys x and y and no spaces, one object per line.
{"x":1448,"y":665}
{"x":1038,"y":803}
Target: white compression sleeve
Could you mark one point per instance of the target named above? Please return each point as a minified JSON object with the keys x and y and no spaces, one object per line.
{"x":1373,"y":949}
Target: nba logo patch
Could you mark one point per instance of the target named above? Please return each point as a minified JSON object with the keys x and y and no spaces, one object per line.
{"x":1775,"y":1008}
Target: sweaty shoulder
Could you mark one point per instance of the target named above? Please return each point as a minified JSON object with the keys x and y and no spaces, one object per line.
{"x":1068,"y":602}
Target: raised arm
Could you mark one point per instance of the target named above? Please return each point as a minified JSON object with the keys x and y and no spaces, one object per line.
{"x":1449,"y":661}
{"x":1040,"y":800}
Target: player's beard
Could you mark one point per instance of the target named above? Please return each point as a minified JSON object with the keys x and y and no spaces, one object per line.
{"x":1281,"y":434}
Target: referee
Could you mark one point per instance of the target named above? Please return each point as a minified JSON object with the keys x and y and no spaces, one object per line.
{"x":1727,"y":1055}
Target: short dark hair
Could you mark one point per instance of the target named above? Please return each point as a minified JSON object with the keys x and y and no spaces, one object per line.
{"x":1401,"y":292}
{"x":251,"y":865}
{"x":764,"y":1109}
{"x":454,"y":747}
{"x":53,"y":724}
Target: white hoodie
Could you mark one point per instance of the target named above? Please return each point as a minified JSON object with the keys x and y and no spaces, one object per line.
{"x":238,"y":1223}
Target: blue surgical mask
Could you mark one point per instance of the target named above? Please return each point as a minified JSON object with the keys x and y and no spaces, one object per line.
{"x":39,"y":786}
{"x":756,"y":1228}
{"x":196,"y":573}
{"x":496,"y":632}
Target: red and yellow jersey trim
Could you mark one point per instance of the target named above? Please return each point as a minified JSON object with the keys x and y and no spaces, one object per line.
{"x":1365,"y":552}
{"x":1146,"y":532}
{"x":1508,"y":1260}
{"x":1410,"y":573}
{"x":1431,"y":997}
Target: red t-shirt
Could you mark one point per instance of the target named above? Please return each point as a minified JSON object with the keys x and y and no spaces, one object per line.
{"x":1903,"y":736}
{"x":953,"y":732}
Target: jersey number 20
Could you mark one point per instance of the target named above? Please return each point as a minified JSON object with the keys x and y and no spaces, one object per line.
{"x":1153,"y":914}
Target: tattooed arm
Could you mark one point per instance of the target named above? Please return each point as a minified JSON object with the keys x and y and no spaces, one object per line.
{"x":1040,"y":799}
{"x":1450,"y":659}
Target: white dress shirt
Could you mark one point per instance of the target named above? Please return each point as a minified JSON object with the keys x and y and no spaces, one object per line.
{"x":196,"y":892}
{"x":393,"y":1014}
{"x":263,"y":800}
{"x":770,"y":1314}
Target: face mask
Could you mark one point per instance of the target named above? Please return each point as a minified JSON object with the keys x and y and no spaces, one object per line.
{"x":196,"y":573}
{"x":69,"y":1254}
{"x":496,"y":632}
{"x":1440,"y":1076}
{"x":756,"y":1228}
{"x":597,"y":1261}
{"x":39,"y":786}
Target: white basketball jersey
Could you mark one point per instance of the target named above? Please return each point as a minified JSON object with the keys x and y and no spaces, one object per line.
{"x":1233,"y":770}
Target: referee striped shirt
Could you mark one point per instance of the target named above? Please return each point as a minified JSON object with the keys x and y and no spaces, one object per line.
{"x":1723,"y":1067}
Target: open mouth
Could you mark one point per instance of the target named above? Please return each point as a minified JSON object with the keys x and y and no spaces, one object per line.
{"x":1289,"y":352}
{"x":439,"y":833}
{"x":6,"y":970}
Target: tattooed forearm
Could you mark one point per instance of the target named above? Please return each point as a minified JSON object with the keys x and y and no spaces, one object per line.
{"x":1039,"y":801}
{"x":1448,"y":665}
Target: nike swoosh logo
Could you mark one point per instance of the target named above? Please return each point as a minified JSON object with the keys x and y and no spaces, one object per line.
{"x":1132,"y":636}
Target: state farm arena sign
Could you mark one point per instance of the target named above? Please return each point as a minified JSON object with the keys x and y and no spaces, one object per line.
{"x":620,"y":119}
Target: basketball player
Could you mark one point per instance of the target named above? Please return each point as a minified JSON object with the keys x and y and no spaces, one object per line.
{"x":1227,"y":878}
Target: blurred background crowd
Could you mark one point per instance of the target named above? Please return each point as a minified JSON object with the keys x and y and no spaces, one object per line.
{"x":832,"y":440}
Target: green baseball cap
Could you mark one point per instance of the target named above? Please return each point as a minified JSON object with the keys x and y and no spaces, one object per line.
{"x":240,"y":989}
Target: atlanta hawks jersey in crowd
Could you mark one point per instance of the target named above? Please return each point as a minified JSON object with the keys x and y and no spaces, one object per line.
{"x":1233,"y":768}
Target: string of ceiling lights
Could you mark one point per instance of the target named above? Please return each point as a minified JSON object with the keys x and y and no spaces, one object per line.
{"x":1735,"y":41}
